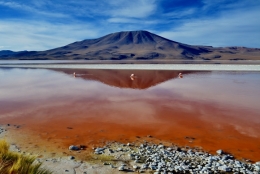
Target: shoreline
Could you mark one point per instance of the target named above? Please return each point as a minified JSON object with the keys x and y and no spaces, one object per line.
{"x":48,"y":127}
{"x":137,"y":157}
{"x":195,"y":67}
{"x":60,"y":61}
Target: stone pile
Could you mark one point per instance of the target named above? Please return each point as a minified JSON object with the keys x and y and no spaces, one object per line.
{"x":161,"y":159}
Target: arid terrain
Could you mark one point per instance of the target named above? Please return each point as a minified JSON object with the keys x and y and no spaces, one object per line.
{"x":135,"y":45}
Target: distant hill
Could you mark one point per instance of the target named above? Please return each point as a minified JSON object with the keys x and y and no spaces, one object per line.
{"x":136,"y":45}
{"x":6,"y":53}
{"x":9,"y":53}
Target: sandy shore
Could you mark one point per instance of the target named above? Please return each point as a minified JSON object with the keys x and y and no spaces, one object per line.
{"x":135,"y":157}
{"x":71,"y":162}
{"x":59,"y":163}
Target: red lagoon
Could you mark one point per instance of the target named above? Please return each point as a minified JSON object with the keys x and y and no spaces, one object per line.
{"x":213,"y":110}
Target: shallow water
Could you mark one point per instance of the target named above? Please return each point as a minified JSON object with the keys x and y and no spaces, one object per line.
{"x":211,"y":109}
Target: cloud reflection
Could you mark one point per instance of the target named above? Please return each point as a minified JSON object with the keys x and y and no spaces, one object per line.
{"x":199,"y":102}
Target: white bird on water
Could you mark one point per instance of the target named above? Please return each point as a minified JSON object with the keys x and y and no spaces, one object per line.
{"x":132,"y":76}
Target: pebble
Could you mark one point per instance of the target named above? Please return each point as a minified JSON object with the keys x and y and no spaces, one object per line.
{"x":219,"y":152}
{"x":72,"y":147}
{"x":160,"y":146}
{"x":136,"y":167}
{"x":119,"y":149}
{"x":71,"y":157}
{"x":224,"y":169}
{"x":162,"y":159}
{"x":121,"y":168}
{"x":99,"y":150}
{"x":110,"y":151}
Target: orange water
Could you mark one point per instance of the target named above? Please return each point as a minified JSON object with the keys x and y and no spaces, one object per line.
{"x":214,"y":110}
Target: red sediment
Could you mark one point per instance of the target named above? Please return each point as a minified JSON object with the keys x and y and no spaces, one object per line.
{"x":113,"y":114}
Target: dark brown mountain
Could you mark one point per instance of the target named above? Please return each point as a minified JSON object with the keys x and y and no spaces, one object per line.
{"x":137,"y":45}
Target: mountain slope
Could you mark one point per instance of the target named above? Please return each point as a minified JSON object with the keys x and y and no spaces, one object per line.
{"x":138,"y":45}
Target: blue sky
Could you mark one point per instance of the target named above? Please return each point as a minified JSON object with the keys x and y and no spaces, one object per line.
{"x":46,"y":24}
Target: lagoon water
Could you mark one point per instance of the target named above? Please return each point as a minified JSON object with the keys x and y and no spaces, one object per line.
{"x":210,"y":109}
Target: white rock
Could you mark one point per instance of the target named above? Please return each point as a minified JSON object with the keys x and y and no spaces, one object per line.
{"x":121,"y":168}
{"x":257,"y":168}
{"x":161,"y":146}
{"x":219,"y":152}
{"x":119,"y":149}
{"x":224,"y":169}
{"x":99,"y":149}
{"x":135,"y":167}
{"x":72,"y":147}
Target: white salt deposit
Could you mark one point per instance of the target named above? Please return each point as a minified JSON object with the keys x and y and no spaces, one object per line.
{"x":201,"y":67}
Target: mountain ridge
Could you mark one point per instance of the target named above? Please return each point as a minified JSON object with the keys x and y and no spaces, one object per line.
{"x":136,"y":45}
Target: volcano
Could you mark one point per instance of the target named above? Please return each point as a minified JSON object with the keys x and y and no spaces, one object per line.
{"x":135,"y":45}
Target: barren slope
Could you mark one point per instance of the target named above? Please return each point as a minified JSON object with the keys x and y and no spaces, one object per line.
{"x":137,"y":45}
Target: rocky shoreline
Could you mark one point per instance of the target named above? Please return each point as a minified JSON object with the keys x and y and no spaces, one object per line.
{"x":148,"y":157}
{"x":157,"y":159}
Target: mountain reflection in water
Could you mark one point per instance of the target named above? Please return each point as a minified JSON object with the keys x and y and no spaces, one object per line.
{"x":219,"y":110}
{"x":143,"y":79}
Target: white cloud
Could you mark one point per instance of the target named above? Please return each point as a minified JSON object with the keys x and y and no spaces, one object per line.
{"x":233,"y":28}
{"x":132,"y":21}
{"x":123,"y":20}
{"x":31,"y":9}
{"x":26,"y":35}
{"x":134,"y":8}
{"x":14,"y":5}
{"x":60,"y":23}
{"x":180,"y":13}
{"x":224,"y":4}
{"x":40,"y":3}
